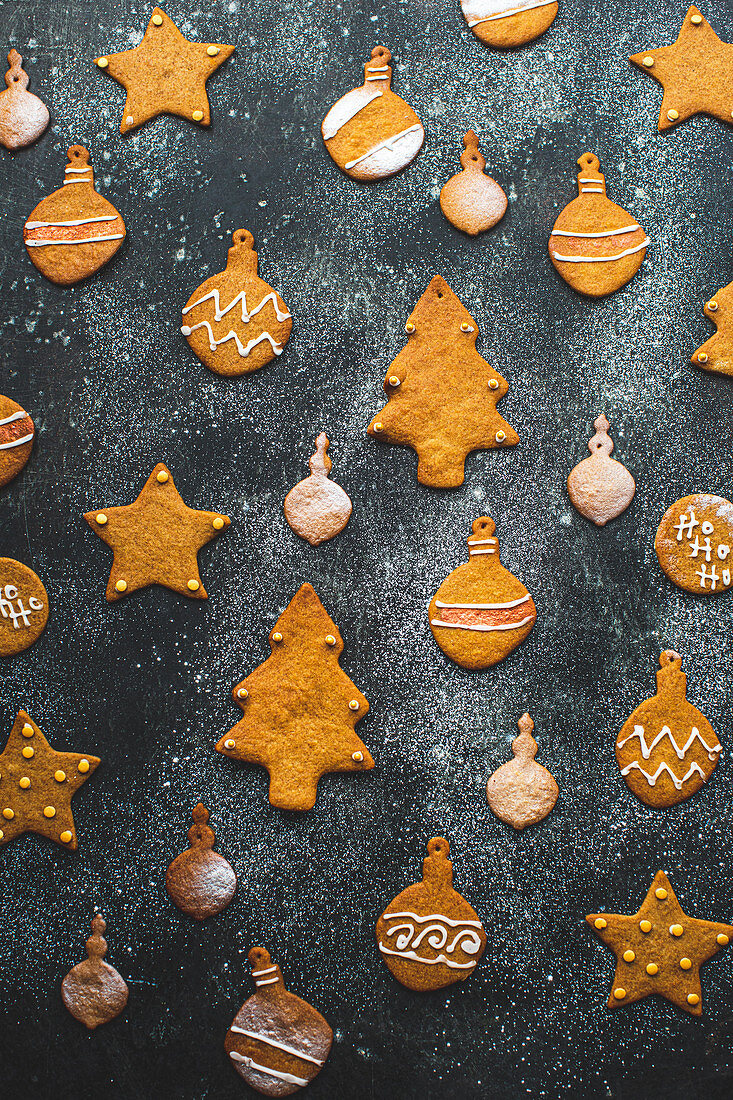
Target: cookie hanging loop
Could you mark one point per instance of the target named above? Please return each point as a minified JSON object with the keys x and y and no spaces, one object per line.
{"x":601,"y":442}
{"x":265,"y":972}
{"x":437,"y":868}
{"x":591,"y":180}
{"x":671,"y":680}
{"x":471,"y":157}
{"x":481,"y":541}
{"x":97,"y":944}
{"x":16,"y":74}
{"x":377,"y":69}
{"x":201,"y":835}
{"x":242,"y":254}
{"x":525,"y":747}
{"x":319,"y":462}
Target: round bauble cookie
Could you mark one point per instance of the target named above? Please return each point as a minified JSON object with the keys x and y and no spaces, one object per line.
{"x":694,"y":542}
{"x":370,"y":132}
{"x":199,"y":880}
{"x":16,"y":439}
{"x":23,"y":607}
{"x":317,"y":508}
{"x":522,"y":792}
{"x":93,"y":991}
{"x":600,"y":487}
{"x":23,"y":116}
{"x":507,"y":23}
{"x":471,"y":200}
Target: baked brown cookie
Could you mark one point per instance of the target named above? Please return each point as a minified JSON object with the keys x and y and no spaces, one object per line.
{"x":277,"y":1042}
{"x":93,"y":991}
{"x":370,"y":132}
{"x":595,"y":245}
{"x":442,"y":395}
{"x":199,"y":880}
{"x":600,"y":487}
{"x":156,"y":539}
{"x":659,"y":949}
{"x":471,"y":200}
{"x":23,"y":116}
{"x":165,"y":74}
{"x":16,"y":439}
{"x":508,"y":23}
{"x":37,"y":785}
{"x":234,"y":322}
{"x":667,"y":749}
{"x":317,"y":508}
{"x":717,"y":352}
{"x":300,"y":707}
{"x":429,"y":936}
{"x":23,"y":607}
{"x":74,"y":231}
{"x":694,"y":542}
{"x":522,"y":792}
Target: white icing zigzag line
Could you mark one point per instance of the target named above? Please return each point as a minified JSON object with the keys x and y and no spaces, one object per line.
{"x":84,"y":240}
{"x":646,"y":750}
{"x":247,"y":315}
{"x":606,"y":233}
{"x":428,"y":962}
{"x":388,"y":144}
{"x":289,"y":1078}
{"x":512,"y":11}
{"x":652,"y":779}
{"x":469,"y":626}
{"x":79,"y":221}
{"x":485,"y":606}
{"x":243,"y":351}
{"x":601,"y":259}
{"x":272,"y":1043}
{"x":20,"y":415}
{"x":16,"y":442}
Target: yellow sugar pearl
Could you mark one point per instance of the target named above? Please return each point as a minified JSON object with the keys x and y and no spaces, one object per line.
{"x":157,"y":19}
{"x":629,"y":956}
{"x":465,"y":327}
{"x":197,"y":116}
{"x":277,"y":636}
{"x":24,"y":782}
{"x":722,"y":939}
{"x":353,"y":704}
{"x":59,"y":776}
{"x":212,"y":51}
{"x":242,"y":693}
{"x":102,"y":62}
{"x":378,"y":426}
{"x":500,"y":437}
{"x":66,"y":837}
{"x":702,"y":357}
{"x":696,"y":19}
{"x":693,"y":999}
{"x":28,"y":752}
{"x":84,"y":766}
{"x":162,"y":476}
{"x":493,"y":384}
{"x":393,"y":380}
{"x":652,"y":969}
{"x":712,"y":305}
{"x":330,"y":640}
{"x":599,"y":922}
{"x":101,"y":519}
{"x":121,"y":585}
{"x":193,"y":585}
{"x":218,"y":523}
{"x":230,"y":743}
{"x":619,"y":993}
{"x":686,"y":964}
{"x":676,"y":930}
{"x":648,"y":62}
{"x":645,"y":925}
{"x":49,"y":811}
{"x":357,"y":757}
{"x":409,"y":327}
{"x":2,"y":835}
{"x":27,"y":730}
{"x":673,"y":115}
{"x":660,"y":893}
{"x":8,"y":814}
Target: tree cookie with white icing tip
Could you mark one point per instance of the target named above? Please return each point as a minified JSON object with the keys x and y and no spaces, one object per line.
{"x":504,"y":24}
{"x":667,"y":749}
{"x":429,"y":936}
{"x":234,"y":322}
{"x":600,"y":487}
{"x":716,"y":354}
{"x":16,"y":439}
{"x":165,"y":74}
{"x":74,"y":231}
{"x":522,"y":792}
{"x":200,"y":881}
{"x":23,"y":607}
{"x":370,"y":132}
{"x":277,"y":1042}
{"x":471,"y":200}
{"x":23,"y":116}
{"x":595,"y":245}
{"x":317,"y":508}
{"x":481,"y":612}
{"x":93,"y":991}
{"x":694,"y":543}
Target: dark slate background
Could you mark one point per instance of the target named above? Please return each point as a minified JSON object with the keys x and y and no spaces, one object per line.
{"x":145,"y":684}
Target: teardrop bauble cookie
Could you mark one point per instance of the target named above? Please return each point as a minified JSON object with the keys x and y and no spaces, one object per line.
{"x":507,"y":23}
{"x":429,"y":936}
{"x":595,"y":245}
{"x":317,"y":508}
{"x":370,"y":132}
{"x":234,"y":322}
{"x":522,"y":792}
{"x":93,"y":991}
{"x":481,"y":612}
{"x":16,"y":439}
{"x":600,"y":487}
{"x":199,"y":880}
{"x":694,"y":544}
{"x":667,"y":749}
{"x":277,"y":1042}
{"x":73,"y":232}
{"x":471,"y":200}
{"x":23,"y":116}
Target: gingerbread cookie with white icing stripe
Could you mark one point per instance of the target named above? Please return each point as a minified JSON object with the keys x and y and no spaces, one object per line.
{"x":507,"y":23}
{"x":595,"y":245}
{"x":277,"y":1042}
{"x":16,"y":439}
{"x":370,"y":132}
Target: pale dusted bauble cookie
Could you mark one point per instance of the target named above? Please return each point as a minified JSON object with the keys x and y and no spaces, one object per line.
{"x":370,"y":132}
{"x":16,"y":439}
{"x":595,"y":245}
{"x":507,"y":23}
{"x":471,"y":200}
{"x":317,"y":508}
{"x":93,"y":991}
{"x":717,"y":353}
{"x":694,"y":543}
{"x":600,"y":487}
{"x":23,"y":116}
{"x":199,"y":880}
{"x":522,"y":792}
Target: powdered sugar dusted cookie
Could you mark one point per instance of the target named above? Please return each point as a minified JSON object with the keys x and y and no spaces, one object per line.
{"x":471,"y":200}
{"x":507,"y":23}
{"x":522,"y":792}
{"x":199,"y":880}
{"x":370,"y":132}
{"x":600,"y":487}
{"x":23,"y":116}
{"x":16,"y":439}
{"x":93,"y":991}
{"x":317,"y":508}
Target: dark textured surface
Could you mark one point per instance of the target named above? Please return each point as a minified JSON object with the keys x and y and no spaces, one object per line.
{"x":145,"y":683}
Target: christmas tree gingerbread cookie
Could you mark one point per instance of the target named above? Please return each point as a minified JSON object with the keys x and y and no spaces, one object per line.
{"x":522,"y":792}
{"x":717,"y":353}
{"x":23,"y":116}
{"x":277,"y":1042}
{"x":93,"y":991}
{"x":595,"y":245}
{"x":234,"y":322}
{"x":659,"y":950}
{"x":694,"y":543}
{"x":300,"y":707}
{"x":507,"y":23}
{"x":429,"y":936}
{"x":370,"y":132}
{"x":442,"y":394}
{"x":600,"y":487}
{"x":471,"y":200}
{"x":16,"y":439}
{"x":74,"y":231}
{"x":23,"y":607}
{"x":199,"y":880}
{"x":481,"y":612}
{"x":667,"y":749}
{"x":317,"y":508}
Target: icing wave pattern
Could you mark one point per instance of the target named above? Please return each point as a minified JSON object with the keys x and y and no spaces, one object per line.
{"x":246,"y":316}
{"x":681,"y":752}
{"x":412,"y":933}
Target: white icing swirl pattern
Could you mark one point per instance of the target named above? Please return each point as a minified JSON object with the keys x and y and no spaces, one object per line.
{"x":433,"y":932}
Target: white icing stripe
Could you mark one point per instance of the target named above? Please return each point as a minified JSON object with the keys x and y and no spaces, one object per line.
{"x":375,"y":77}
{"x":272,"y":1043}
{"x":67,"y":182}
{"x":434,"y":916}
{"x":20,"y":415}
{"x":470,"y":626}
{"x":378,"y":69}
{"x":473,"y":553}
{"x":588,"y":179}
{"x":247,"y":314}
{"x":482,"y":542}
{"x":388,"y":144}
{"x":495,"y":6}
{"x":484,"y":606}
{"x":40,"y":241}
{"x":428,"y":962}
{"x":243,"y":351}
{"x":16,"y":442}
{"x":607,"y":233}
{"x":601,"y":259}
{"x":80,"y":221}
{"x":347,"y":108}
{"x":78,"y":170}
{"x":268,"y":981}
{"x":591,"y":190}
{"x":646,"y":750}
{"x":289,"y":1078}
{"x":652,"y":779}
{"x":267,"y":970}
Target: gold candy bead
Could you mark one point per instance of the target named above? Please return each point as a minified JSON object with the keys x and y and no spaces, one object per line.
{"x":84,"y":766}
{"x":393,"y":380}
{"x":712,"y":305}
{"x":8,"y":814}
{"x":648,"y":62}
{"x":652,"y":969}
{"x":409,"y":327}
{"x":676,"y":930}
{"x":24,"y":782}
{"x":619,"y":993}
{"x":59,"y":776}
{"x":163,"y":476}
{"x":218,"y":523}
{"x":230,"y":743}
{"x":27,"y":730}
{"x":242,"y":693}
{"x":696,"y":19}
{"x":357,"y":757}
{"x":102,"y":62}
{"x":157,"y":19}
{"x":66,"y":837}
{"x":600,"y":923}
{"x":329,"y":639}
{"x":212,"y":51}
{"x":101,"y":519}
{"x":629,"y":956}
{"x":378,"y":426}
{"x":28,"y":752}
{"x":465,"y":327}
{"x":193,"y":585}
{"x":493,"y":384}
{"x":686,"y":964}
{"x":702,"y":357}
{"x":673,"y":115}
{"x":722,"y":939}
{"x":197,"y":116}
{"x":693,"y":999}
{"x":353,"y":704}
{"x":645,"y":925}
{"x":121,"y":586}
{"x":500,"y":437}
{"x":49,"y":811}
{"x":660,"y":893}
{"x":277,"y":636}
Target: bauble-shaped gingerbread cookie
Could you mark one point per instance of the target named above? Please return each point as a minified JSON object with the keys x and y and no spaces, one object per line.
{"x":23,"y":116}
{"x":199,"y":880}
{"x":317,"y":508}
{"x":522,"y":792}
{"x":694,"y":542}
{"x":16,"y":439}
{"x":93,"y":991}
{"x":600,"y":487}
{"x":507,"y":23}
{"x":471,"y":200}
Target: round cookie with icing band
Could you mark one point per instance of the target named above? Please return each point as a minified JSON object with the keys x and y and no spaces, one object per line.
{"x":16,"y":439}
{"x":504,"y":24}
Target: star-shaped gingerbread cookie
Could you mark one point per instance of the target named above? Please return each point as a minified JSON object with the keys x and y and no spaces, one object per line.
{"x":156,"y":540}
{"x":37,"y":785}
{"x":696,"y":73}
{"x":659,"y":949}
{"x":165,"y":74}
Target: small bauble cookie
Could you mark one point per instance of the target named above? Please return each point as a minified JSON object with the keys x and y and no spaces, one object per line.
{"x":595,"y":245}
{"x":199,"y":880}
{"x":16,"y":439}
{"x":23,"y":116}
{"x":694,"y":542}
{"x":23,"y":607}
{"x":600,"y":487}
{"x":471,"y":200}
{"x":717,"y":353}
{"x":507,"y":23}
{"x":370,"y":132}
{"x":429,"y":936}
{"x":481,"y":612}
{"x":93,"y":991}
{"x":73,"y":232}
{"x":667,"y":749}
{"x":522,"y":792}
{"x":277,"y":1042}
{"x":317,"y":508}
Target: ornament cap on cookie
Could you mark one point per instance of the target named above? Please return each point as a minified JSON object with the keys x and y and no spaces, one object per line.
{"x":317,"y":508}
{"x":505,"y":24}
{"x":600,"y":487}
{"x":522,"y":792}
{"x":471,"y":200}
{"x":93,"y":991}
{"x":694,"y":544}
{"x":200,"y":881}
{"x":23,"y":116}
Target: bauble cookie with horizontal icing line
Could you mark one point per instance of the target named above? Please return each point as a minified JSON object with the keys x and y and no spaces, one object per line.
{"x":16,"y":439}
{"x":504,"y":24}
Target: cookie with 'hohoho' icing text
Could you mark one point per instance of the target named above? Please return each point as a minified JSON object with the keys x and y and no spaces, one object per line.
{"x":694,"y":542}
{"x":23,"y":607}
{"x":507,"y":23}
{"x":16,"y":439}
